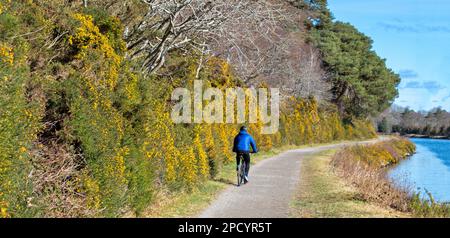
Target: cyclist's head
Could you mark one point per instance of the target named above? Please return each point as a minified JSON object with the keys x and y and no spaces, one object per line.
{"x":243,"y":128}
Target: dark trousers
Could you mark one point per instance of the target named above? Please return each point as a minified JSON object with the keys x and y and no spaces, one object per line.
{"x":246,"y":157}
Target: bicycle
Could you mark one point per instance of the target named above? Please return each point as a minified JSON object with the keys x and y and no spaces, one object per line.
{"x":241,"y":171}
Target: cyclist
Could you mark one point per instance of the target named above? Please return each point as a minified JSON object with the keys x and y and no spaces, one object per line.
{"x":241,"y":147}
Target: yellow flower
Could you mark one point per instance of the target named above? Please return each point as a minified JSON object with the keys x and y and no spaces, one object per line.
{"x":6,"y":54}
{"x":3,"y":212}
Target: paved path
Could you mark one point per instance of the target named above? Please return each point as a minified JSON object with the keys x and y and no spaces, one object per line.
{"x":271,"y":187}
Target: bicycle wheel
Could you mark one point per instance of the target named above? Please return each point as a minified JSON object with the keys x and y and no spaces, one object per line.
{"x":242,"y":172}
{"x":239,"y":177}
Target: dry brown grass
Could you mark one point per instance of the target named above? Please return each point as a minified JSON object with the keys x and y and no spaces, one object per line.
{"x":56,"y":186}
{"x":371,"y":182}
{"x":364,"y":167}
{"x":323,"y":194}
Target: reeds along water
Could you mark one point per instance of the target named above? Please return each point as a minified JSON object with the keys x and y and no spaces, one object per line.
{"x":364,"y":166}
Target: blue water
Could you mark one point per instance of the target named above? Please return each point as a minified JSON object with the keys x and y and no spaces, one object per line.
{"x":428,"y":169}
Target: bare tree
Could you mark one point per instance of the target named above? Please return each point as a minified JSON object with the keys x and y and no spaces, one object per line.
{"x":183,"y":24}
{"x":274,"y":50}
{"x":304,"y":76}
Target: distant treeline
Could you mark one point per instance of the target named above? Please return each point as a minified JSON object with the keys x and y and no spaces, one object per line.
{"x":435,"y":122}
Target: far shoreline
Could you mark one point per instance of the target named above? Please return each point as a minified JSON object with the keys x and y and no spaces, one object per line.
{"x":426,"y":136}
{"x":416,"y":136}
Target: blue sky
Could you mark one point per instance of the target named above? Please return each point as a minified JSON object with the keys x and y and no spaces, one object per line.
{"x":414,"y":37}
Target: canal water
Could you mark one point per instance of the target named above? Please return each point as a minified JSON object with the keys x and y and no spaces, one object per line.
{"x":427,"y":170}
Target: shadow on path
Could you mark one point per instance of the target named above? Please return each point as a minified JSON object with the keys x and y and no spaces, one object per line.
{"x":225,"y":181}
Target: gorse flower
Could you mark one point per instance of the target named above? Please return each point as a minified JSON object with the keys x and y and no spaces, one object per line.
{"x":6,"y":54}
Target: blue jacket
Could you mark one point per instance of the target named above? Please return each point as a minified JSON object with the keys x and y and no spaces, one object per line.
{"x":243,"y":141}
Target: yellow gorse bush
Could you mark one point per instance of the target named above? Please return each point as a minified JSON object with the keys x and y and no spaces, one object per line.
{"x":202,"y":157}
{"x":92,"y":189}
{"x":161,"y":143}
{"x":6,"y":54}
{"x":4,"y":6}
{"x":96,"y":122}
{"x":88,"y":36}
{"x":382,"y":154}
{"x":20,"y":118}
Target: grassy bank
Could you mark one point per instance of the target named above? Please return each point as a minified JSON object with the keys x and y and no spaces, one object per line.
{"x":365,"y":167}
{"x":321,"y":193}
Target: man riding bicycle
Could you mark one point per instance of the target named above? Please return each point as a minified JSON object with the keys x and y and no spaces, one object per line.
{"x":241,"y":147}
